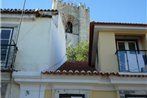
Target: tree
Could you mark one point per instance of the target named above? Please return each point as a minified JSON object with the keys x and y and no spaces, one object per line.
{"x":78,"y":53}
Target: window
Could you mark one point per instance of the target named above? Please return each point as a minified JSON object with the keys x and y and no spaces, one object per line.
{"x":127,"y":45}
{"x":71,"y":93}
{"x":6,"y":36}
{"x":68,"y":27}
{"x":135,"y":96}
{"x":71,"y":96}
{"x":130,"y":58}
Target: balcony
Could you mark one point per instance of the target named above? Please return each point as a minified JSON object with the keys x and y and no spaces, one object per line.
{"x":132,"y":61}
{"x":8,"y":54}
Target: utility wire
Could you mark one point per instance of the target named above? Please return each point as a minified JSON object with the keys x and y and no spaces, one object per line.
{"x":21,"y":18}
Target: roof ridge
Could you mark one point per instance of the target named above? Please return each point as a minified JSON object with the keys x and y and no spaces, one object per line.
{"x":15,"y":9}
{"x":37,"y":12}
{"x":120,"y":23}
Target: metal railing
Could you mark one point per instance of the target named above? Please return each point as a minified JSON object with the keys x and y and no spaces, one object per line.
{"x":132,"y":60}
{"x":8,"y":54}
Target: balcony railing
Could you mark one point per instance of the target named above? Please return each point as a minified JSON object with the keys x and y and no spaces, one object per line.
{"x":132,"y":61}
{"x":8,"y":54}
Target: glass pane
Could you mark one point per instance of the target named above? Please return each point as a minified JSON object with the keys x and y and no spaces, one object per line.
{"x":4,"y":50}
{"x":132,"y":46}
{"x":4,"y":47}
{"x":145,"y":59}
{"x":5,"y":34}
{"x":133,"y":61}
{"x":122,"y":61}
{"x":3,"y":58}
{"x":4,"y":42}
{"x":3,"y":53}
{"x":136,"y":96}
{"x":71,"y":96}
{"x":121,"y":46}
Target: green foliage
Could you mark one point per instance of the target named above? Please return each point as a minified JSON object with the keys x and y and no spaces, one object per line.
{"x":78,"y":53}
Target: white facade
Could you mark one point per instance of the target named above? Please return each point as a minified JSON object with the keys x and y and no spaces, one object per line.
{"x":41,"y":46}
{"x":42,"y":41}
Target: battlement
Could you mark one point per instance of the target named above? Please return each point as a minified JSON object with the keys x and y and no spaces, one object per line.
{"x":74,"y":5}
{"x":76,"y":16}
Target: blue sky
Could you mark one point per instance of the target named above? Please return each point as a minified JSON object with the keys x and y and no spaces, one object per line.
{"x":130,"y":11}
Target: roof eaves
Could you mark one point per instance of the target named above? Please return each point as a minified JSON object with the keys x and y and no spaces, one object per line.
{"x":38,"y":13}
{"x":90,"y":73}
{"x":118,"y":23}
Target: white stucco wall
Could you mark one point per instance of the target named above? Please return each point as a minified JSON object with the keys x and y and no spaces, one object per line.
{"x":57,"y":44}
{"x":41,"y":42}
{"x":33,"y":44}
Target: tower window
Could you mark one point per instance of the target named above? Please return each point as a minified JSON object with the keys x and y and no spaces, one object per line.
{"x":68,"y":28}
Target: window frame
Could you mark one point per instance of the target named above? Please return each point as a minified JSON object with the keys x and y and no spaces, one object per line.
{"x":126,"y":96}
{"x":8,"y":28}
{"x":127,"y":40}
{"x":7,"y":45}
{"x":71,"y":95}
{"x":69,"y":27}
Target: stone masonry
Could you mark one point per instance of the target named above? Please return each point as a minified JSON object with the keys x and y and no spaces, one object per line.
{"x":79,"y":16}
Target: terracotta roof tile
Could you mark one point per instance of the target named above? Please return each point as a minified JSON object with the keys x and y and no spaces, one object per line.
{"x":82,"y":68}
{"x":76,"y":66}
{"x":38,"y":12}
{"x":118,"y":23}
{"x":91,"y":73}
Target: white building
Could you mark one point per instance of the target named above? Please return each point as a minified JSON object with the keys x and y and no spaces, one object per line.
{"x":33,"y":48}
{"x":34,"y":40}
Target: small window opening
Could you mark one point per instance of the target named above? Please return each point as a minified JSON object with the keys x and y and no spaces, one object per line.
{"x":68,"y":28}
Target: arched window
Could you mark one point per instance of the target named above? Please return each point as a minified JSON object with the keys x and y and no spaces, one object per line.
{"x":68,"y":28}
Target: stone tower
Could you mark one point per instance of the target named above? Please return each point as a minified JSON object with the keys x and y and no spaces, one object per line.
{"x":76,"y":21}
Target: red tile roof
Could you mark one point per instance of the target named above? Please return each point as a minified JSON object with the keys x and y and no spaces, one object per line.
{"x":76,"y":65}
{"x":119,"y":23}
{"x":38,"y":13}
{"x":82,"y":68}
{"x":90,"y":73}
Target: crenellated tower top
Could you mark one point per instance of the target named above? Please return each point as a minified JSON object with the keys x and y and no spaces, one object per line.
{"x":76,"y":19}
{"x":59,"y":4}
